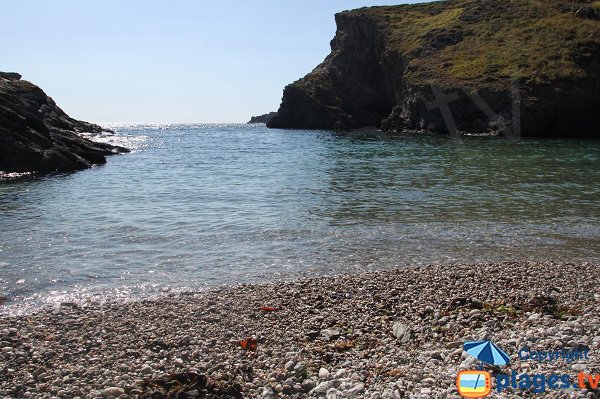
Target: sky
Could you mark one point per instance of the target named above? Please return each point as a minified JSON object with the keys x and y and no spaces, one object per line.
{"x":151,"y":61}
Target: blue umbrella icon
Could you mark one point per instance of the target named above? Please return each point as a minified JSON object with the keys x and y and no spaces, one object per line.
{"x":486,"y":352}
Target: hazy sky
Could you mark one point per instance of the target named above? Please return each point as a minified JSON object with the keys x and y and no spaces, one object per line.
{"x":167,"y":61}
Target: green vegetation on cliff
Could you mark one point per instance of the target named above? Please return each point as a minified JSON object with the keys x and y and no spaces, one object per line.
{"x":469,"y":40}
{"x":383,"y":58}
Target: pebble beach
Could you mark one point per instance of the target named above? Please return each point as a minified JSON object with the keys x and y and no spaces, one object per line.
{"x":386,"y":334}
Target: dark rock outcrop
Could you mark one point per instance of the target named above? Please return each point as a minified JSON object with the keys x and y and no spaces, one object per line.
{"x":37,"y":136}
{"x":10,"y":75}
{"x":588,"y":12}
{"x":266,"y":118}
{"x":386,"y":63}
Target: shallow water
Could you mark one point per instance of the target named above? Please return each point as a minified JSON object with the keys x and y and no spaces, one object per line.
{"x":196,"y":206}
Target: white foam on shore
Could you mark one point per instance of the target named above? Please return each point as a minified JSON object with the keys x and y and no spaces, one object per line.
{"x":13,"y":175}
{"x":88,"y":296}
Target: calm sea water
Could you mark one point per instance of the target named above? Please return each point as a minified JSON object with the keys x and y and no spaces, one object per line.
{"x":196,"y":206}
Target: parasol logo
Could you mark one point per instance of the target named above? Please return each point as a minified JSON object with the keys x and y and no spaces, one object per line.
{"x":486,"y":352}
{"x":478,"y":383}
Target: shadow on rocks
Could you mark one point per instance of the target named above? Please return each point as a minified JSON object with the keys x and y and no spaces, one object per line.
{"x":188,"y":385}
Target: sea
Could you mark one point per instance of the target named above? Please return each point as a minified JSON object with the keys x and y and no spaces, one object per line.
{"x":199,"y":206}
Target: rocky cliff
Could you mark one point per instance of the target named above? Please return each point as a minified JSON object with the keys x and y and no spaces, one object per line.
{"x":263,"y":118}
{"x":397,"y":68}
{"x":37,"y":136}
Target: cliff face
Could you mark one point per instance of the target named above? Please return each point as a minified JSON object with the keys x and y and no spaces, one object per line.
{"x":386,"y":61}
{"x":37,"y":136}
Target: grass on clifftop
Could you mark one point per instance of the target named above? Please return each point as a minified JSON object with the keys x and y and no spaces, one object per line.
{"x":470,"y":41}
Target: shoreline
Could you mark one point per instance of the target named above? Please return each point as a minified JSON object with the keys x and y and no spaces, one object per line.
{"x":383,"y":334}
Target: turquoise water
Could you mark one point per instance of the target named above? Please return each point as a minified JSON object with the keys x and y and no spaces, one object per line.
{"x":195,"y":206}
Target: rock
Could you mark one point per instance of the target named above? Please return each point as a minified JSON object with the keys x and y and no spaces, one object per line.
{"x":356,"y":389}
{"x":39,"y":371}
{"x":268,"y":392}
{"x":333,"y":393}
{"x":588,"y":13}
{"x":289,"y":366}
{"x":402,"y":332}
{"x":427,"y":311}
{"x":300,"y":366}
{"x":578,"y":367}
{"x":324,"y":373}
{"x":385,"y":61}
{"x":307,"y":385}
{"x":341,"y":373}
{"x":435,"y":355}
{"x":534,"y":317}
{"x":203,"y":366}
{"x":146,"y":370}
{"x":112,"y":392}
{"x":457,"y":302}
{"x":37,"y":136}
{"x":331,"y":334}
{"x":10,"y":75}
{"x":454,"y":345}
{"x":468,"y":363}
{"x":428,"y":381}
{"x":263,"y":118}
{"x":320,"y":389}
{"x":476,"y":303}
{"x":194,"y":393}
